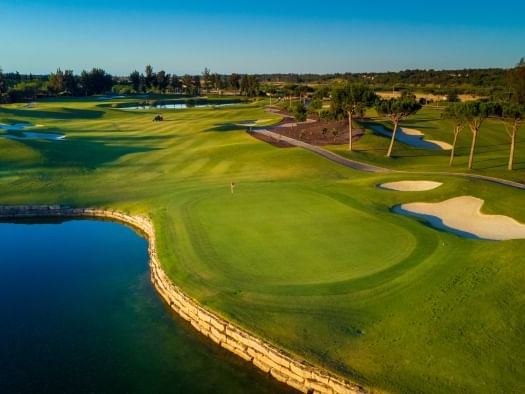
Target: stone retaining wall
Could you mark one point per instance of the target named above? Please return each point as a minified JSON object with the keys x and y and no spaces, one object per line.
{"x":282,"y":366}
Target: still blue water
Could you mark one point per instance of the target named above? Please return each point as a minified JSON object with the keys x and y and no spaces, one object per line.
{"x":79,"y":315}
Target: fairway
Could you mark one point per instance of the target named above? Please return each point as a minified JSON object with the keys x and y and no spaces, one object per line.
{"x":305,"y":253}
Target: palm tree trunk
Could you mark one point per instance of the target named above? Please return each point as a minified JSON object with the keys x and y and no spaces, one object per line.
{"x":472,"y":147}
{"x":349,"y":130}
{"x":391,"y":147}
{"x":453,"y":151}
{"x":512,"y":147}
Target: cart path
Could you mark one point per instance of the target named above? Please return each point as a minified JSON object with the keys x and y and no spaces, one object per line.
{"x":360,"y":166}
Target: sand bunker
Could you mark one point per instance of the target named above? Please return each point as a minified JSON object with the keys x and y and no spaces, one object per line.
{"x":411,"y":186}
{"x":462,"y":215}
{"x":28,"y":135}
{"x":418,"y":133}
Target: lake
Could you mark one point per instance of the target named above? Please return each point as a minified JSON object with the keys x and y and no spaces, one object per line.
{"x":79,"y":314}
{"x":180,"y":105}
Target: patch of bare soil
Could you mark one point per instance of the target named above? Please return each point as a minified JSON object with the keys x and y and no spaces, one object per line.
{"x":319,"y":133}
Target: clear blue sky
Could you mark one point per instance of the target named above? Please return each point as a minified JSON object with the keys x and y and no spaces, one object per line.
{"x":254,"y":37}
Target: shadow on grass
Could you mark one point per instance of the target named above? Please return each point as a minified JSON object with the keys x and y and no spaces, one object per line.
{"x":13,"y":121}
{"x":226,"y":127}
{"x":78,"y":153}
{"x":65,"y":113}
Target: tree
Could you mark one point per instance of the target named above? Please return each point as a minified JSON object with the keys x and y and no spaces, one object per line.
{"x":301,"y":91}
{"x":134,"y":78}
{"x":397,"y":109}
{"x":206,"y":78}
{"x":235,"y":81}
{"x":175,"y":84}
{"x":352,"y":99}
{"x":196,"y":85}
{"x":163,"y":81}
{"x":149,"y":77}
{"x":475,"y":113}
{"x":244,"y":85}
{"x":216,"y":81}
{"x":321,"y":92}
{"x":454,"y":113}
{"x":70,"y":82}
{"x":249,"y":85}
{"x":96,"y":81}
{"x":512,"y":115}
{"x":187,"y":84}
{"x":3,"y":83}
{"x":315,"y":106}
{"x":55,"y":82}
{"x":299,"y":112}
{"x":517,"y":84}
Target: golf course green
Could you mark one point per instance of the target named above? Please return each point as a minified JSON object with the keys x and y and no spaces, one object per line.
{"x":305,"y":253}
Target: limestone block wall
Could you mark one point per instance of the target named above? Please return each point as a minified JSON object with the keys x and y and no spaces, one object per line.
{"x":284,"y":367}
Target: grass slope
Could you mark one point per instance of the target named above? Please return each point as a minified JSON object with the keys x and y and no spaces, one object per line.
{"x":306,"y":252}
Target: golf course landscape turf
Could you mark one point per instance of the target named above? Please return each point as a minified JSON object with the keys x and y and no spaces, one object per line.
{"x":306,"y":253}
{"x":492,"y":149}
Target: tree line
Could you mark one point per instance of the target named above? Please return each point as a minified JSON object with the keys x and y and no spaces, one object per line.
{"x":463,"y":81}
{"x":484,"y":82}
{"x":15,"y":87}
{"x":27,"y":88}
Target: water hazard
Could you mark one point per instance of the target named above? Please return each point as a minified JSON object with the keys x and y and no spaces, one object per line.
{"x":79,"y":314}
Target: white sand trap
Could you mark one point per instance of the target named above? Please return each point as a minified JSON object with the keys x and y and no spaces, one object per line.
{"x":411,"y":186}
{"x":464,"y":215}
{"x":408,"y":131}
{"x":442,"y":144}
{"x":418,"y":133}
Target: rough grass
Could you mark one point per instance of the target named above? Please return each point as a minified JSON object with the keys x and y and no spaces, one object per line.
{"x":305,"y":252}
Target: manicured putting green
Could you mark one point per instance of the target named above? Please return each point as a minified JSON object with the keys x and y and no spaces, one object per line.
{"x":292,"y":235}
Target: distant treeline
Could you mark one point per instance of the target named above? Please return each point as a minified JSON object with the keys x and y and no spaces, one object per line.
{"x":466,"y":81}
{"x":15,"y":87}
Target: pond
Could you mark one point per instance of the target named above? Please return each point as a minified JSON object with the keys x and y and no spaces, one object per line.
{"x":179,"y":106}
{"x":416,"y":141}
{"x":79,"y":314}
